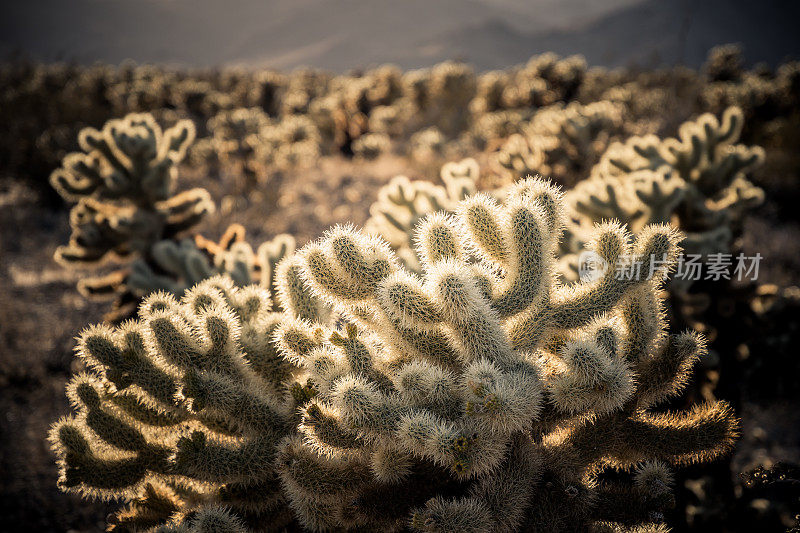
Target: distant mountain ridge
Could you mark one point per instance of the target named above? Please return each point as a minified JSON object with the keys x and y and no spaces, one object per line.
{"x":343,"y":34}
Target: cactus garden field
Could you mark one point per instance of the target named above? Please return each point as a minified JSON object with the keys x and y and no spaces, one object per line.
{"x":549,"y":298}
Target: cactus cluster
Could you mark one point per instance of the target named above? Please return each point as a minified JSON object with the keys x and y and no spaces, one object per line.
{"x":248,"y":143}
{"x":544,"y":80}
{"x":372,"y":145}
{"x":762,"y":95}
{"x":563,"y":142}
{"x":292,"y":141}
{"x":231,"y":144}
{"x":697,"y":182}
{"x":46,"y":105}
{"x":477,"y":395}
{"x":368,"y":115}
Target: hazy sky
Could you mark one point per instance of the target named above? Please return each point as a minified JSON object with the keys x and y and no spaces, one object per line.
{"x":342,"y":34}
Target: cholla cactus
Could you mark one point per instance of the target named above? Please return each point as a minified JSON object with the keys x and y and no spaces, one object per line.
{"x":385,"y":85}
{"x":403,"y":203}
{"x":128,"y":159}
{"x":123,"y":184}
{"x":371,"y":146}
{"x":175,"y":266}
{"x":181,"y":409}
{"x":489,"y":92}
{"x":390,"y":120}
{"x":198,"y":97}
{"x":179,"y":265}
{"x":186,"y":263}
{"x":560,"y":141}
{"x":481,"y":396}
{"x":520,"y":156}
{"x":489,"y":129}
{"x":578,"y":134}
{"x":439,"y":96}
{"x":706,"y":154}
{"x":724,"y":63}
{"x":563,"y":75}
{"x":762,"y":96}
{"x":543,"y":81}
{"x":451,"y":88}
{"x":233,"y":139}
{"x":293,"y":141}
{"x":696,"y":182}
{"x":127,"y":178}
{"x":427,"y":145}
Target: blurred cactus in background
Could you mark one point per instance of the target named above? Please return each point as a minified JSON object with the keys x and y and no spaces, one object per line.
{"x":232,"y":143}
{"x":544,"y":80}
{"x":127,"y":212}
{"x":697,"y":182}
{"x":187,"y":262}
{"x":124,"y":186}
{"x":561,"y":142}
{"x":480,"y":395}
